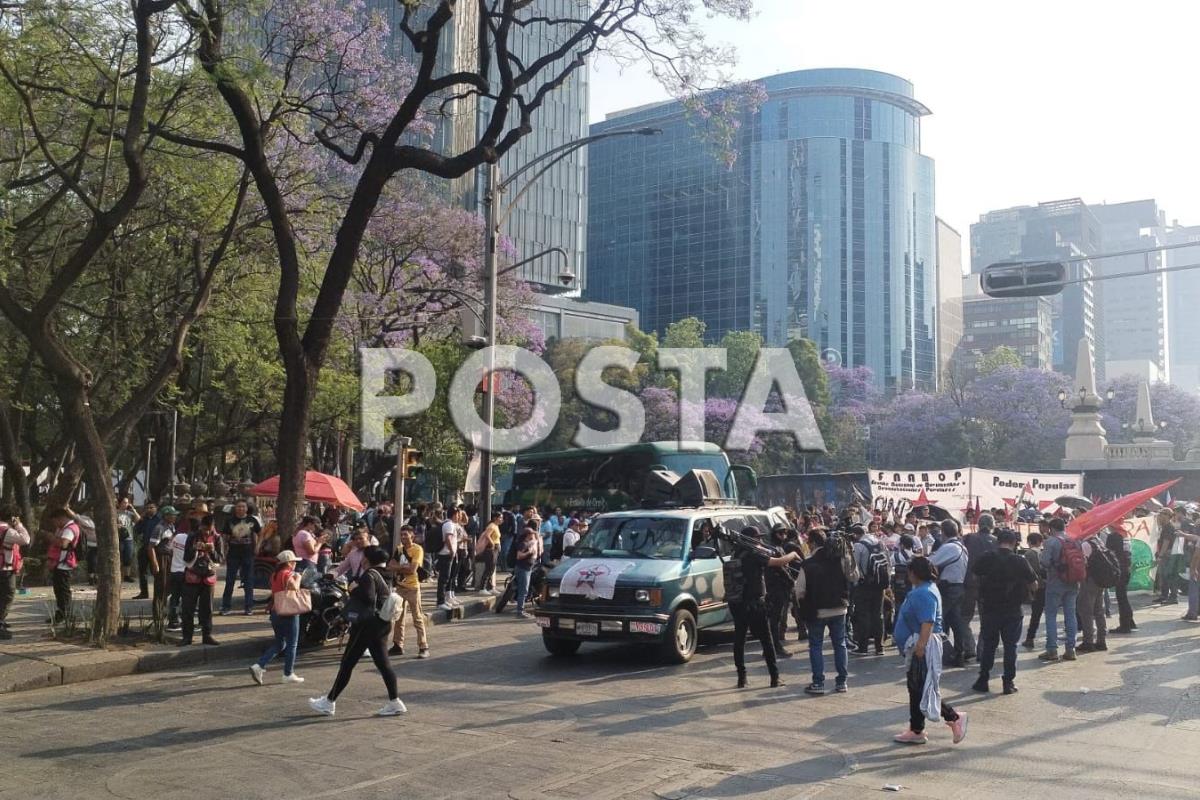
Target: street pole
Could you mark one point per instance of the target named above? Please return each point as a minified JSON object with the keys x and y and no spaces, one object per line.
{"x":149,"y":447}
{"x":491,"y":202}
{"x":398,"y":512}
{"x":174,"y":433}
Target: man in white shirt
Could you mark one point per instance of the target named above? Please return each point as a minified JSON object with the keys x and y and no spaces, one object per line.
{"x":447,"y":563}
{"x":178,"y":565}
{"x":573,"y":534}
{"x":62,"y":556}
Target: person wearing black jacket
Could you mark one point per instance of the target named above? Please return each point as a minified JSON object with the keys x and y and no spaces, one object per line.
{"x":1005,"y":580}
{"x":780,"y":585}
{"x":749,"y":611}
{"x":1118,"y":544}
{"x":368,"y":633}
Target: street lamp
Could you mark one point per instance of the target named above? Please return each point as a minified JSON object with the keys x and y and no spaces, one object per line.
{"x":494,"y":217}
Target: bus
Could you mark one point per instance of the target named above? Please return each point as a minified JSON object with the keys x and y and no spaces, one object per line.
{"x":612,"y":478}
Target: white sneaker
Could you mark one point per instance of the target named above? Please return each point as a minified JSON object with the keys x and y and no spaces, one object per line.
{"x":452,"y":600}
{"x":394,"y":708}
{"x":446,"y":607}
{"x":322,"y":705}
{"x":424,"y":653}
{"x":257,"y":673}
{"x":293,"y":678}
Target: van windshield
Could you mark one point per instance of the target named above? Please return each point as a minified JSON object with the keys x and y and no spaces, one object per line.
{"x":644,"y":537}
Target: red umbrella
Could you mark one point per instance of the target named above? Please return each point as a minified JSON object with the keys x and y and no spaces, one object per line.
{"x":318,"y":488}
{"x":1106,"y":514}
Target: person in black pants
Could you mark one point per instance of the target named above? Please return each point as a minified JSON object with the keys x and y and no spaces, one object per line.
{"x":1005,"y":579}
{"x":1033,"y":554}
{"x":780,"y":586}
{"x":1116,"y":543}
{"x":867,"y":595}
{"x":368,"y":633}
{"x":747,"y":605}
{"x":201,"y":555}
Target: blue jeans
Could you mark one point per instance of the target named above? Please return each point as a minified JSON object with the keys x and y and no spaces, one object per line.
{"x":287,"y":637}
{"x":1061,"y":595}
{"x":816,"y":642}
{"x":239,"y":567}
{"x":521,"y":574}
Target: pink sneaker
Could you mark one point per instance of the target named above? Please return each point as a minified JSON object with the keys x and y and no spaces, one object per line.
{"x":959,"y":728}
{"x":908,"y":737}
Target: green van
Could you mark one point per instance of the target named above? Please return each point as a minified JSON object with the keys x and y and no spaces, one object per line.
{"x":647,"y":576}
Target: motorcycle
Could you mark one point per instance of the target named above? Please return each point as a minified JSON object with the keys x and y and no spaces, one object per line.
{"x":325,"y":622}
{"x":537,"y":578}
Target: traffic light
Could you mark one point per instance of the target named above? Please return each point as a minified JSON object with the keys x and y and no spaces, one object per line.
{"x":412,"y":463}
{"x":1023,"y":279}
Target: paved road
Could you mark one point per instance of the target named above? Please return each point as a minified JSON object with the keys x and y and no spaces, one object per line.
{"x":492,"y":716}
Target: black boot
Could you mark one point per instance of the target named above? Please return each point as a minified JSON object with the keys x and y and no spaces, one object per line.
{"x":775,"y":681}
{"x":1010,"y":687}
{"x":741,"y":679}
{"x":981,"y":684}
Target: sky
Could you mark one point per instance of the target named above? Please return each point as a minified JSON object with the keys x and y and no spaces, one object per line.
{"x":1032,"y":100}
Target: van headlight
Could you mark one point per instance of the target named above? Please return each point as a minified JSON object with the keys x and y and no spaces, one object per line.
{"x":651,"y":596}
{"x":552,"y":592}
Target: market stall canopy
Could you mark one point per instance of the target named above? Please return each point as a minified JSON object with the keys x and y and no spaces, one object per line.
{"x":318,"y":488}
{"x":1074,"y":501}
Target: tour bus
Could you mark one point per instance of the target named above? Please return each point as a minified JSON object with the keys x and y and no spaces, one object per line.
{"x":612,"y":478}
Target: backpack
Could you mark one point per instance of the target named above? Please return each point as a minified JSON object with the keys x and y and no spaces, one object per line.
{"x":900,"y":579}
{"x":879,"y":568}
{"x":1103,"y":567}
{"x":735,"y":581}
{"x":1072,"y":567}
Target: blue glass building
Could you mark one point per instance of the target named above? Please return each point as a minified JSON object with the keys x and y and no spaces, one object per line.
{"x":823,"y":228}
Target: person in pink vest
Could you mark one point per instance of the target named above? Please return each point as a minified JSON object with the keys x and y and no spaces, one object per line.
{"x":13,"y":537}
{"x":61,"y":559}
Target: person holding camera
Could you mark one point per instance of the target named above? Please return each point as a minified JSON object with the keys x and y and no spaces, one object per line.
{"x":407,"y":565}
{"x":13,"y":537}
{"x":201,"y":555}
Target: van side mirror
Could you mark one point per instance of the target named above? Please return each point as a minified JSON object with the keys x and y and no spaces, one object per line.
{"x":704,"y":552}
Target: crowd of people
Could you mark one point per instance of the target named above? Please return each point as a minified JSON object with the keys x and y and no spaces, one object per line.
{"x":862,"y":578}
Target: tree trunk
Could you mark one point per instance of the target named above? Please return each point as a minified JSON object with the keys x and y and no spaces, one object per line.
{"x":292,"y":450}
{"x":63,"y":489}
{"x":14,"y":471}
{"x":90,"y":452}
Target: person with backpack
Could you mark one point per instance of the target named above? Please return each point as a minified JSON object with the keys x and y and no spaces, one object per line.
{"x":13,"y":537}
{"x":875,"y":568}
{"x":1103,"y":572}
{"x":370,"y":631}
{"x":745,"y":592}
{"x":1066,"y":569}
{"x":823,"y":591}
{"x":201,"y":556}
{"x":62,"y":559}
{"x":1005,"y":579}
{"x":407,"y":562}
{"x":781,"y":585}
{"x":952,"y":562}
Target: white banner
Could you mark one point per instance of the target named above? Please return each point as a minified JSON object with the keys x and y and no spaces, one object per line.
{"x":897,"y":491}
{"x":593,"y":577}
{"x":961,"y":488}
{"x":1012,"y":490}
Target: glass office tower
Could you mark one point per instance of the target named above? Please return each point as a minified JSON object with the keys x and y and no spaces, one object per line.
{"x":823,"y":228}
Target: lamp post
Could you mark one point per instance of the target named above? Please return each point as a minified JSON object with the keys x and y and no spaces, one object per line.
{"x":494,"y":217}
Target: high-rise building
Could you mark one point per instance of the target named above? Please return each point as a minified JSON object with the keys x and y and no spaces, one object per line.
{"x":1022,"y":323}
{"x":1135,"y":310}
{"x":1183,"y":291}
{"x":824,"y":226}
{"x":949,"y":320}
{"x":1061,"y":230}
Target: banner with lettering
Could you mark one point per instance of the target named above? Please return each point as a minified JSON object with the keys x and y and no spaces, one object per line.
{"x":1014,"y":490}
{"x":897,"y":491}
{"x":1143,"y":540}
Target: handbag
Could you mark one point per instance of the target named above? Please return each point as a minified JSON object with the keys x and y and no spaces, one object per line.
{"x":292,"y":602}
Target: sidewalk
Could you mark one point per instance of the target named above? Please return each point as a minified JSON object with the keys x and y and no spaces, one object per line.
{"x":31,"y":660}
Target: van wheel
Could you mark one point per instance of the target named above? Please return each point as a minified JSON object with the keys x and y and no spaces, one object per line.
{"x":680,"y":643}
{"x":560,"y":648}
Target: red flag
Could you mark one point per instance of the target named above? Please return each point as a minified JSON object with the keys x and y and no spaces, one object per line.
{"x":1104,"y":515}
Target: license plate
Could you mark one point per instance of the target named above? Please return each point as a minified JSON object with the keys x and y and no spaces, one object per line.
{"x":644,"y":627}
{"x":587,"y":628}
{"x":543,"y":622}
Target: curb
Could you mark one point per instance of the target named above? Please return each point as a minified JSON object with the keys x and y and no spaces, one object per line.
{"x":19,"y":673}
